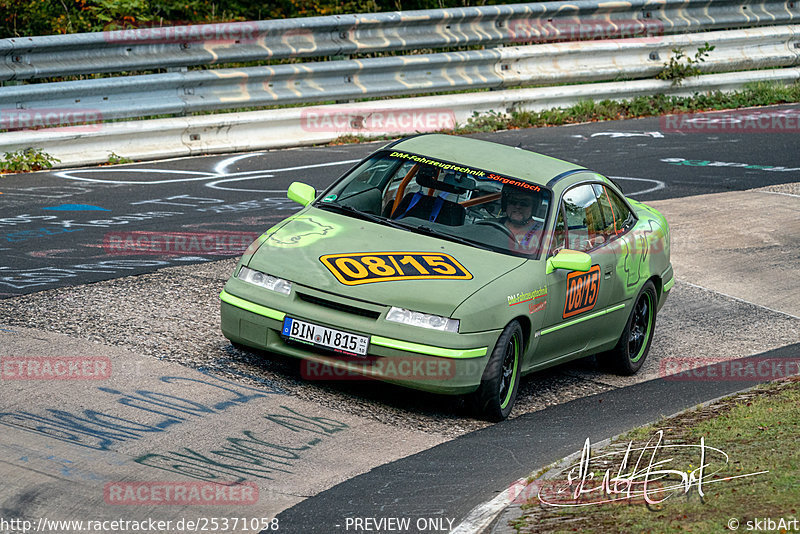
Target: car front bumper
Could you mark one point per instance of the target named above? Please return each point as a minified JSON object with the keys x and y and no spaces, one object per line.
{"x":415,"y":357}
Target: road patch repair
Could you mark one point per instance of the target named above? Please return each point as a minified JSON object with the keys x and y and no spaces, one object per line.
{"x":66,"y":439}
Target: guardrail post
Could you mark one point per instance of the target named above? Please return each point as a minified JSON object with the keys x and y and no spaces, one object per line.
{"x":342,"y":57}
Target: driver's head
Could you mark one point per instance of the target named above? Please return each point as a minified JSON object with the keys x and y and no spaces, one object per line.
{"x":518,"y":204}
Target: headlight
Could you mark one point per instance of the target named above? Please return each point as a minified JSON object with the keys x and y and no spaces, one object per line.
{"x":264,"y":280}
{"x":437,"y":322}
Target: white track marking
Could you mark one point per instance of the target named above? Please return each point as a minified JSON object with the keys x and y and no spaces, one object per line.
{"x":659,"y":184}
{"x":616,"y":135}
{"x":214,"y":179}
{"x":215,"y":184}
{"x":482,"y":515}
{"x":779,"y":193}
{"x":222,"y":166}
{"x":199,"y":175}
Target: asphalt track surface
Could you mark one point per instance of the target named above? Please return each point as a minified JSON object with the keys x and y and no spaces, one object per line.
{"x":61,"y":228}
{"x":43,"y":248}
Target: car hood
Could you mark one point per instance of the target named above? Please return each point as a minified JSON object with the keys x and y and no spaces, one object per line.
{"x":292,"y":251}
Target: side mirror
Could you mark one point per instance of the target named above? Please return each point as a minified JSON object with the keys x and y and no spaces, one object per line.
{"x":301,"y":193}
{"x":572,"y":260}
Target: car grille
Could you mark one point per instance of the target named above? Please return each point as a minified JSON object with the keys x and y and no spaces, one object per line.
{"x":338,"y":306}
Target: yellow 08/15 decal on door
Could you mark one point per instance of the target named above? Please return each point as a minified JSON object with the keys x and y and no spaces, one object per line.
{"x":366,"y":267}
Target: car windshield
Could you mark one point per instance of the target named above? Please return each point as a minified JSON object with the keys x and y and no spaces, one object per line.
{"x":446,"y":200}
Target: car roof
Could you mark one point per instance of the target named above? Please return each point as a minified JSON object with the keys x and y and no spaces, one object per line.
{"x":502,"y":159}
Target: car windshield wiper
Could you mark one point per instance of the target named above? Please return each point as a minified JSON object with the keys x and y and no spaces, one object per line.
{"x":427,"y":230}
{"x":350,"y":210}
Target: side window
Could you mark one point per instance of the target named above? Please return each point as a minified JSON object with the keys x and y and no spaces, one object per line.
{"x":625,"y":218}
{"x":616,"y":214}
{"x":584,"y":218}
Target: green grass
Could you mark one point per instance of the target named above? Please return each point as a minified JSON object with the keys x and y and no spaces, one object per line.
{"x":758,"y":430}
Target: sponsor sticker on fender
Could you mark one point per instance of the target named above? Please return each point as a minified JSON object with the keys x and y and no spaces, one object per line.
{"x":582,"y":291}
{"x":366,"y":267}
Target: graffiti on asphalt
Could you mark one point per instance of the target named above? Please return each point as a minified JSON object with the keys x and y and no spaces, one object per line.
{"x":143,"y":412}
{"x":180,"y":200}
{"x":75,"y":207}
{"x":249,"y":453}
{"x":23,"y":278}
{"x":25,"y":235}
{"x":201,"y":204}
{"x":709,"y":163}
{"x":48,"y":191}
{"x":26,"y":218}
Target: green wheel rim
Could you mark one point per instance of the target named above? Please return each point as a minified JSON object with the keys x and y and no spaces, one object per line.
{"x":641,"y":327}
{"x":509,"y":370}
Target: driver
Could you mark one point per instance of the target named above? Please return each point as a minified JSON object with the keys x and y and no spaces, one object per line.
{"x":519,"y":206}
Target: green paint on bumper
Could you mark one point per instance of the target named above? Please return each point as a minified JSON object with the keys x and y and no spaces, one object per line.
{"x":397,"y":344}
{"x":669,"y":284}
{"x":456,"y":369}
{"x":427,"y":349}
{"x":251,"y":306}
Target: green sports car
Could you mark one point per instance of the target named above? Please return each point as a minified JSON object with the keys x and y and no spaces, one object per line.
{"x":455,"y":266}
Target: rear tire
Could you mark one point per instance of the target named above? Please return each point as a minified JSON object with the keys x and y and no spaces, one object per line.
{"x":495,"y":397}
{"x":634,"y":343}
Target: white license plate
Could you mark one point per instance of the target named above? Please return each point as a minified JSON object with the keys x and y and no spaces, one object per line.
{"x":325,"y":337}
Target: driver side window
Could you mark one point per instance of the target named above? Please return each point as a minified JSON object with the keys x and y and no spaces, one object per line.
{"x":584,"y":219}
{"x":618,"y":218}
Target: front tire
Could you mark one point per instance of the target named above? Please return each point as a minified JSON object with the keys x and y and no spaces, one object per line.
{"x":495,"y":397}
{"x":634,"y":343}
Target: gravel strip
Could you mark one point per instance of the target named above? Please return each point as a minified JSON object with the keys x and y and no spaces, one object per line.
{"x":789,"y":189}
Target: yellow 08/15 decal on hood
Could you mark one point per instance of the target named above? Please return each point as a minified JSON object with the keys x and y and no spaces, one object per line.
{"x":366,"y":267}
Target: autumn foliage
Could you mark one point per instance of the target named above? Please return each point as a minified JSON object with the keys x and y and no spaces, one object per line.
{"x":21,"y":18}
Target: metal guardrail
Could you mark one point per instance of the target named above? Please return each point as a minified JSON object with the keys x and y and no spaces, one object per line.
{"x":554,"y":63}
{"x":296,"y":126}
{"x":216,"y":44}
